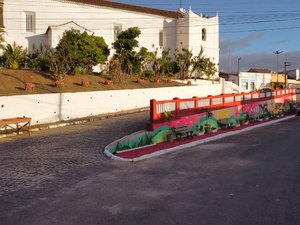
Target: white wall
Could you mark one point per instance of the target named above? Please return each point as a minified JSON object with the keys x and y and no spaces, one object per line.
{"x":259,"y":79}
{"x":189,"y":35}
{"x":182,"y":33}
{"x":234,"y":79}
{"x":58,"y":31}
{"x":294,"y":74}
{"x":97,"y":19}
{"x":47,"y":108}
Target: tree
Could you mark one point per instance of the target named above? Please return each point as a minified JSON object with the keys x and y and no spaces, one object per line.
{"x":82,"y":50}
{"x":164,"y":61}
{"x":210,"y":68}
{"x":57,"y":61}
{"x":152,"y":59}
{"x":189,"y":64}
{"x":124,"y":46}
{"x":160,"y":65}
{"x":140,"y":60}
{"x":115,"y":68}
{"x":198,"y":63}
{"x":184,"y":60}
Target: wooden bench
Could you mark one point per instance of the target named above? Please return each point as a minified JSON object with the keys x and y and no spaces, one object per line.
{"x":18,"y":122}
{"x":182,"y":130}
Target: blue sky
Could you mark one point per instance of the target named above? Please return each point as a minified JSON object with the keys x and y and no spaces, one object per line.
{"x":252,"y":30}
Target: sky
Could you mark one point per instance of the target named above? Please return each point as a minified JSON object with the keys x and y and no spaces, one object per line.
{"x":250,"y":30}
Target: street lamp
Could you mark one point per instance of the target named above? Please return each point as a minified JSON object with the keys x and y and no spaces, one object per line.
{"x":277,"y":53}
{"x":238,"y":71}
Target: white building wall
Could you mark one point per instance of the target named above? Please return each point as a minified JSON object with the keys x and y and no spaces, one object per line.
{"x":98,"y":19}
{"x":294,"y":74}
{"x":182,"y":32}
{"x":211,"y":45}
{"x":169,"y":35}
{"x":190,"y":35}
{"x":58,"y":31}
{"x":233,"y":79}
{"x":254,"y":81}
{"x":47,"y":108}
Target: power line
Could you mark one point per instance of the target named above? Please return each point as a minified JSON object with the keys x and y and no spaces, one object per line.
{"x":250,"y":19}
{"x":153,"y":20}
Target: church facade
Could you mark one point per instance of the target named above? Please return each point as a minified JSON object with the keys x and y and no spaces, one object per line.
{"x":34,"y":23}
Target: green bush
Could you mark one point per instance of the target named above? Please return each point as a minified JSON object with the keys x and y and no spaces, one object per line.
{"x":172,"y":68}
{"x":13,"y":56}
{"x":43,"y":63}
{"x":81,"y":50}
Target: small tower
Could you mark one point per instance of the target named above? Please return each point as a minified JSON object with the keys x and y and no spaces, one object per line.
{"x":196,"y":31}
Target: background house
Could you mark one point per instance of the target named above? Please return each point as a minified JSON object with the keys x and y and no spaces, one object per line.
{"x":232,"y":77}
{"x":255,"y":79}
{"x":34,"y":23}
{"x":294,"y":74}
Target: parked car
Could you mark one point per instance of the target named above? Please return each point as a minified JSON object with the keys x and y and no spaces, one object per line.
{"x":265,"y":89}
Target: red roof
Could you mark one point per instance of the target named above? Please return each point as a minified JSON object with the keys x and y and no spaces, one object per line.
{"x":128,"y":7}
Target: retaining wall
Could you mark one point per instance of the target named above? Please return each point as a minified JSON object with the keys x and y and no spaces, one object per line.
{"x":49,"y":108}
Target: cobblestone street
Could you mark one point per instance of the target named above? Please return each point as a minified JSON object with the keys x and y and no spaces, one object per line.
{"x":28,"y":162}
{"x":60,"y":176}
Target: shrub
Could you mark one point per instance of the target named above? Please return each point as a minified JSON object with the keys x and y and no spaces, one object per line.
{"x":13,"y":56}
{"x":172,"y":67}
{"x":82,"y":50}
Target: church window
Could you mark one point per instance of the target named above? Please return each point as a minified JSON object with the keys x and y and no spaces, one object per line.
{"x":161,"y":37}
{"x":117,"y":31}
{"x":203,"y":34}
{"x":30,"y":21}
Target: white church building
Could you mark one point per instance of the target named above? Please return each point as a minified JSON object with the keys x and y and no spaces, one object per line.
{"x":34,"y":22}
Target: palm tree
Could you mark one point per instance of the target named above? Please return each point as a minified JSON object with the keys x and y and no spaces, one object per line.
{"x":210,"y":69}
{"x":198,"y":63}
{"x":153,"y":60}
{"x":165,"y":61}
{"x":14,"y":55}
{"x":184,"y":60}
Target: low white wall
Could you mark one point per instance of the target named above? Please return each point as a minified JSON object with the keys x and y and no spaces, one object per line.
{"x":48,"y":108}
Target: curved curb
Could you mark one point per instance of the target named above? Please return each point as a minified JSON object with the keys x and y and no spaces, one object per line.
{"x":114,"y":157}
{"x":188,"y":145}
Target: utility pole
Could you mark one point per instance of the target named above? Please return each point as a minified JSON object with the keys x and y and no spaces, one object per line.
{"x":229,"y":61}
{"x":277,"y":53}
{"x":180,"y":4}
{"x":238,"y":71}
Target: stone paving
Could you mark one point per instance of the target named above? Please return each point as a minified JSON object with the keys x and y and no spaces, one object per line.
{"x":60,"y":176}
{"x":29,"y":162}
